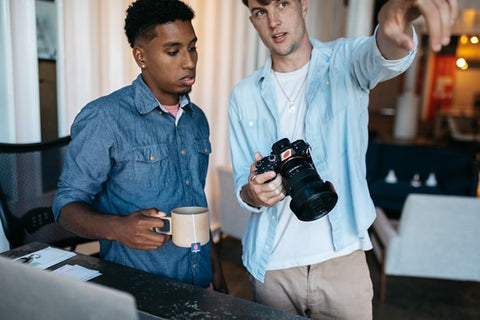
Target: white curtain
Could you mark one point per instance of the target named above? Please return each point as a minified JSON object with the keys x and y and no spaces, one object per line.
{"x":97,"y":59}
{"x":94,"y":59}
{"x":227,"y":47}
{"x":7,"y":111}
{"x":20,"y":98}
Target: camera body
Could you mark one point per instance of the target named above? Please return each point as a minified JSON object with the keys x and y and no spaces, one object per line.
{"x":312,"y":198}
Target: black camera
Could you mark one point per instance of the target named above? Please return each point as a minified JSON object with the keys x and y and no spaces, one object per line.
{"x":312,"y":198}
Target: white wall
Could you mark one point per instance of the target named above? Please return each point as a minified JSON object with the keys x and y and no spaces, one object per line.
{"x":359,"y":18}
{"x":326,"y":19}
{"x":466,"y":86}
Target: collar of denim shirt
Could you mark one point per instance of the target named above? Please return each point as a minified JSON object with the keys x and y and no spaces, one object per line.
{"x":146,"y":102}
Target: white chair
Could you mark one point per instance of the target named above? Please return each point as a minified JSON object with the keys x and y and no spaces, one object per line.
{"x":4,"y":225}
{"x":435,"y":237}
{"x":233,"y":217}
{"x":4,"y":244}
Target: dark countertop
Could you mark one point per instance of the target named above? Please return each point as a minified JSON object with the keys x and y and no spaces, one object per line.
{"x":164,"y":297}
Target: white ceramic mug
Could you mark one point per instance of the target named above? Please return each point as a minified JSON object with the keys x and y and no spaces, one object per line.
{"x":188,"y":226}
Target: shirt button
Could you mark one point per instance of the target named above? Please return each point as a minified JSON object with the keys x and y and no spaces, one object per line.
{"x":205,"y":150}
{"x":266,"y":247}
{"x":327,"y":82}
{"x":187,"y":182}
{"x":194,"y":266}
{"x":152,"y":158}
{"x":182,"y":151}
{"x":250,"y":123}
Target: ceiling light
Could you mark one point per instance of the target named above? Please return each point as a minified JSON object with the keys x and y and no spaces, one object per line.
{"x":462,"y":63}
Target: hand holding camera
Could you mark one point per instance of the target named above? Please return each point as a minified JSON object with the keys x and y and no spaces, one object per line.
{"x":312,"y":198}
{"x":263,"y":190}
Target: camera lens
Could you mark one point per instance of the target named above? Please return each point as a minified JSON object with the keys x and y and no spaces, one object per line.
{"x":312,"y":198}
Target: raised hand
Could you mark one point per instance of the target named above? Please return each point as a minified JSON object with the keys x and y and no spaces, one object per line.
{"x":394,"y":36}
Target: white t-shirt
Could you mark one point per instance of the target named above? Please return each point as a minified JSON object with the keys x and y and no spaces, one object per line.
{"x":299,"y":243}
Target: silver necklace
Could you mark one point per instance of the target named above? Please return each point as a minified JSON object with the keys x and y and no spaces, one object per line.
{"x":291,"y":102}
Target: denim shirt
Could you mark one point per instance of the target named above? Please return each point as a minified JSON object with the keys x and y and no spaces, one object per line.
{"x":127,"y":154}
{"x":341,"y":74}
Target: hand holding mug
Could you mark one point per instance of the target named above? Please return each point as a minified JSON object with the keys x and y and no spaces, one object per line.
{"x":188,"y":226}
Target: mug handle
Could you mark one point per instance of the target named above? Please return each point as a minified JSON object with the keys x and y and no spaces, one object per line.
{"x":162,"y":230}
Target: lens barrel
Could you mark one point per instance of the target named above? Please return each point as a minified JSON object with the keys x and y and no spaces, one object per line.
{"x":312,"y":198}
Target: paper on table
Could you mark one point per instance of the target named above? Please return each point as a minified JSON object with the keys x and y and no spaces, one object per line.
{"x":77,"y":272}
{"x":45,"y":258}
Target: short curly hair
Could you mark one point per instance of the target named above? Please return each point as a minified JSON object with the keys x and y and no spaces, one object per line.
{"x":142,"y":16}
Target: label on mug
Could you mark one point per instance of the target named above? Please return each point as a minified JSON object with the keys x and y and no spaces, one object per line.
{"x":195,"y":247}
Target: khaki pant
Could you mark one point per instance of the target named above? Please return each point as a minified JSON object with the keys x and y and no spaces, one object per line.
{"x":339,"y":288}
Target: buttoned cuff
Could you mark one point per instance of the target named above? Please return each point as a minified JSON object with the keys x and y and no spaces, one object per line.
{"x":246,"y":205}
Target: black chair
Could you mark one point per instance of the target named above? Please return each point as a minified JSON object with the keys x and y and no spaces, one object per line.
{"x":28,"y":180}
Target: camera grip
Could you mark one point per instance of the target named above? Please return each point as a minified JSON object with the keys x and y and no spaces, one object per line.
{"x":265,"y":164}
{"x":167,"y":229}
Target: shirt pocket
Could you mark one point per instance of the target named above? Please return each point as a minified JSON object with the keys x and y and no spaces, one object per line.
{"x":202,"y":151}
{"x":151,"y":168}
{"x":261,"y":134}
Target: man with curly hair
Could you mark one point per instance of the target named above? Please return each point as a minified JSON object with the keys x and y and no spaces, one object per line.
{"x":317,"y":92}
{"x":141,"y":151}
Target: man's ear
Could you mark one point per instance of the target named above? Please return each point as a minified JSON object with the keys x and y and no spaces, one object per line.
{"x":139,"y":55}
{"x":251,"y":20}
{"x":304,"y":4}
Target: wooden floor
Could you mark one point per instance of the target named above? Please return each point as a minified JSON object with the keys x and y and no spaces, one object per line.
{"x":407,"y":298}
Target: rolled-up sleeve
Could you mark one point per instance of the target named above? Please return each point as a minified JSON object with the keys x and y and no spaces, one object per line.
{"x":369,"y":67}
{"x":87,"y":161}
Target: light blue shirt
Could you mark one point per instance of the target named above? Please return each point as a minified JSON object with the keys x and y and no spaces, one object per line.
{"x":127,"y":153}
{"x":340,"y":77}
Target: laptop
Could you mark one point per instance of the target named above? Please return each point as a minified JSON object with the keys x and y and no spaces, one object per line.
{"x":27,"y":292}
